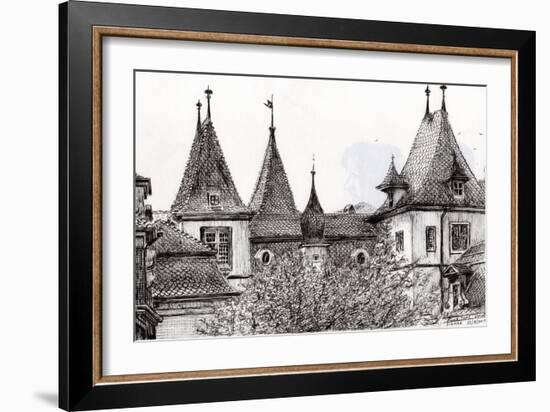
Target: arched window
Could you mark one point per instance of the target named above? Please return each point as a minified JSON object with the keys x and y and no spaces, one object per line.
{"x":360,"y":256}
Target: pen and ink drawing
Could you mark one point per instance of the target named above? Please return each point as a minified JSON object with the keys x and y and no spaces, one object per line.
{"x":213,"y":264}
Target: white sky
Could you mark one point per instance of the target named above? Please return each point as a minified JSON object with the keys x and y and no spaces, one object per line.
{"x":353,"y":127}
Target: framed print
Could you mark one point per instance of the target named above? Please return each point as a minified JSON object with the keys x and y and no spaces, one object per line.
{"x":257,"y":206}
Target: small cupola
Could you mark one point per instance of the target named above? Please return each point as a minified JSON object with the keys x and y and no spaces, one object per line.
{"x":394,"y":184}
{"x":312,"y":221}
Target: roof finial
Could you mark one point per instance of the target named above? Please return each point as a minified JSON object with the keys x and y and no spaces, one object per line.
{"x":443,"y":107}
{"x":427,"y":91}
{"x":208,"y":93}
{"x":199,"y":105}
{"x":269,"y":105}
{"x":313,"y":164}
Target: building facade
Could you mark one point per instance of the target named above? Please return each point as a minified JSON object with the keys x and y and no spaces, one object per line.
{"x":436,"y":205}
{"x":147,"y":318}
{"x":249,"y":237}
{"x":187,"y":281}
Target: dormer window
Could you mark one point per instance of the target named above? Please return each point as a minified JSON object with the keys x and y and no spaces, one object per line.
{"x":457,"y":187}
{"x":214,"y":199}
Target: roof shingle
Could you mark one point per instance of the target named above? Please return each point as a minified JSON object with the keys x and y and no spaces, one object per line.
{"x":188,"y":276}
{"x":207,"y":171}
{"x":272,"y":193}
{"x":393,"y":180}
{"x":177,"y":243}
{"x":474,"y":254}
{"x":433,"y":158}
{"x":337,"y":225}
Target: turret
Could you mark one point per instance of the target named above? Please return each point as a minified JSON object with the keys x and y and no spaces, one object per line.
{"x":312,"y":223}
{"x":394,"y":185}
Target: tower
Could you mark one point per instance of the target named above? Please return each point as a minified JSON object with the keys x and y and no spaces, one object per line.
{"x":208,"y":206}
{"x":312,"y":222}
{"x":275,"y":226}
{"x":435,"y":206}
{"x":394,"y":185}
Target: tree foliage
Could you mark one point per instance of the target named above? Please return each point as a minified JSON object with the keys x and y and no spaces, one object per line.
{"x":289,"y":297}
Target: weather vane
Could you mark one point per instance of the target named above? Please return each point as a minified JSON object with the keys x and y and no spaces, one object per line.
{"x":269,"y":105}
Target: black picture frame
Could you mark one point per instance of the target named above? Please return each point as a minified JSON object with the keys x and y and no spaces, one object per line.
{"x":77,"y":390}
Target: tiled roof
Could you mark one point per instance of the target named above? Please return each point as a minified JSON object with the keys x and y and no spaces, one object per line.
{"x":207,"y":171}
{"x":392,"y":179}
{"x":188,"y":276}
{"x":482,"y":185}
{"x":174,"y":242}
{"x":275,"y":225}
{"x":337,"y":225}
{"x":312,"y":221}
{"x":272,"y":193}
{"x":474,"y":254}
{"x":458,"y":172}
{"x":434,"y":157}
{"x":347,"y":225}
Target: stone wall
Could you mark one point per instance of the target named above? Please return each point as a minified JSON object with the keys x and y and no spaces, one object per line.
{"x":180,"y":318}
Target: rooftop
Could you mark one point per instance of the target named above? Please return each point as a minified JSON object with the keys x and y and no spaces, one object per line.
{"x":175,"y":242}
{"x":337,"y":225}
{"x":272,"y":192}
{"x":435,"y":157}
{"x":207,"y":172}
{"x":188,"y":277}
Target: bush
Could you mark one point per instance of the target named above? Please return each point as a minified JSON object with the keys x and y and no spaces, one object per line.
{"x":290,"y":297}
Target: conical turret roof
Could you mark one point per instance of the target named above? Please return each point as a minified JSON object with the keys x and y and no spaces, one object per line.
{"x":272,"y":193}
{"x":393,"y":180}
{"x":207,"y":172}
{"x":435,"y":158}
{"x":312,"y":221}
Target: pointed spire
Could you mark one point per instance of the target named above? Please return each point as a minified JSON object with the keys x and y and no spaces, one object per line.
{"x":208,"y":93}
{"x":312,"y":221}
{"x":393,"y":179}
{"x":427,"y":91}
{"x":443,"y":107}
{"x":272,"y":193}
{"x":207,"y":171}
{"x":199,"y":105}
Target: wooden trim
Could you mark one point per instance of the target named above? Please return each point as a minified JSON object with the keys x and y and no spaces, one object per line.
{"x":514,"y":217}
{"x":97,"y":107}
{"x":100,"y":31}
{"x":298,"y":41}
{"x":297,"y":369}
